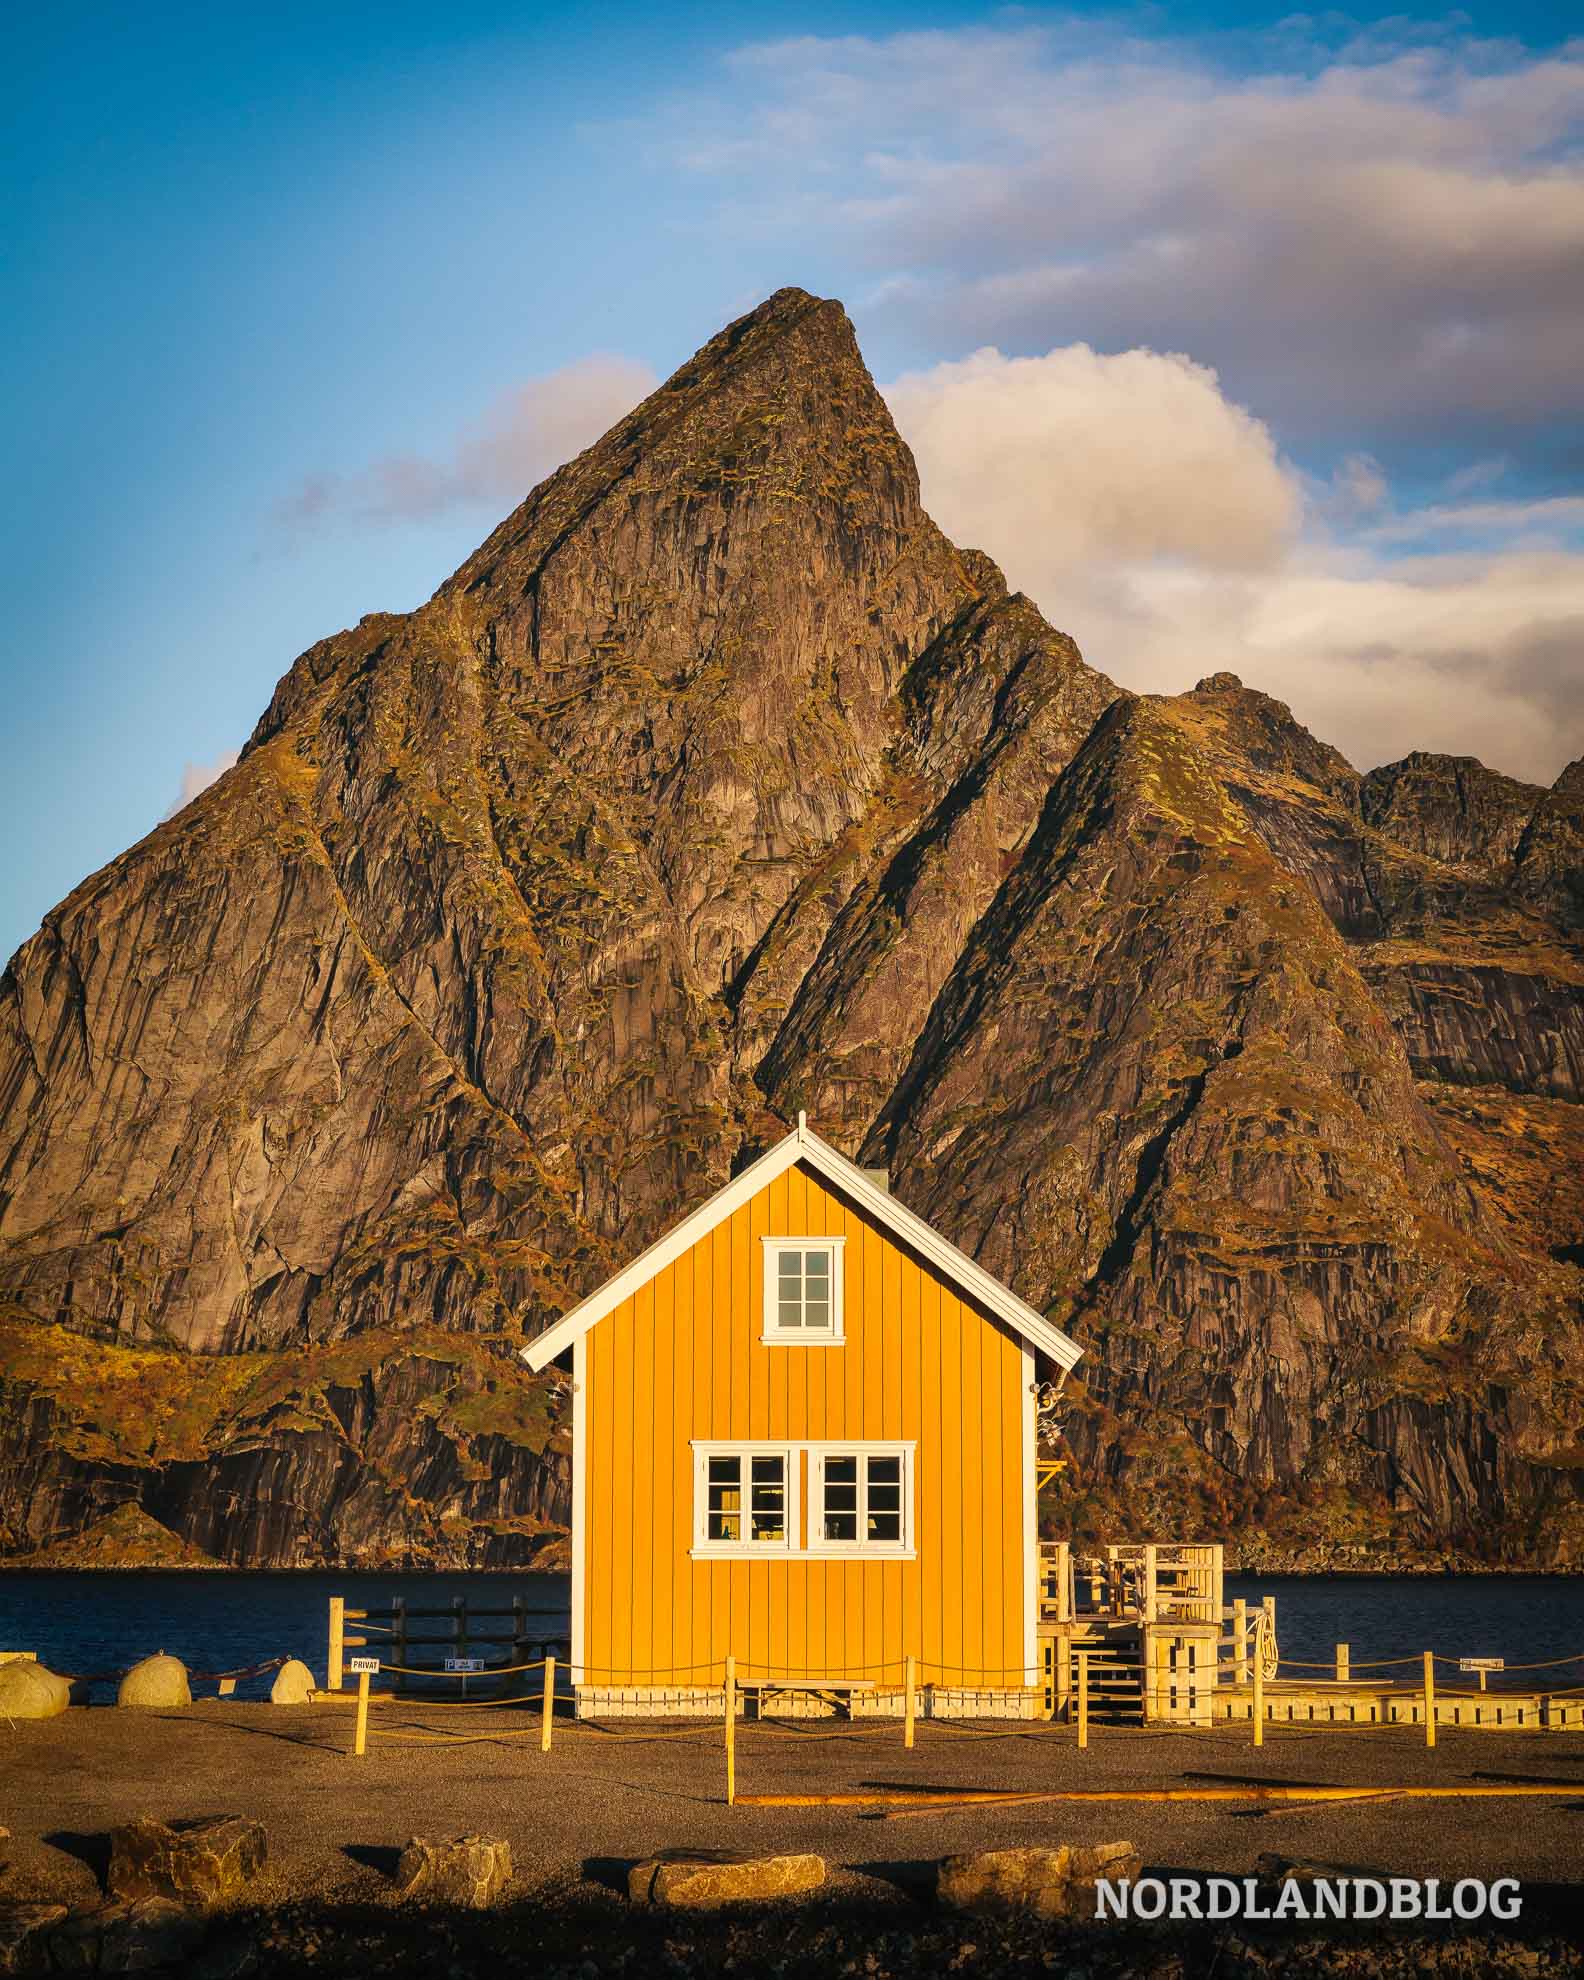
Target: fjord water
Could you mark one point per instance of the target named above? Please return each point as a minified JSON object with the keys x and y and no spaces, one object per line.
{"x":101,"y":1622}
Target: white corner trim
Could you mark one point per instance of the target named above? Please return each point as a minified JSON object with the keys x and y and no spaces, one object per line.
{"x":802,"y":1144}
{"x":579,"y":1499}
{"x":1030,"y":1417}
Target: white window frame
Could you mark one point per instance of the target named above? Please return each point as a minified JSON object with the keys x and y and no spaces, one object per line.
{"x":773,"y":1334}
{"x":746,"y":1448}
{"x":903,"y":1549}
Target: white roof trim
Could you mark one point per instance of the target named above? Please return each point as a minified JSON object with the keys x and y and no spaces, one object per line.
{"x":803,"y":1145}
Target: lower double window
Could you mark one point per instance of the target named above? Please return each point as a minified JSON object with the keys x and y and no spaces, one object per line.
{"x":752,"y":1500}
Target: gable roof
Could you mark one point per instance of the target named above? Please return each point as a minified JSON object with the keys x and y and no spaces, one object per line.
{"x":803,"y":1145}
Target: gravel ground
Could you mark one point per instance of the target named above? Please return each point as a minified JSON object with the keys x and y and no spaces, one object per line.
{"x":576,"y":1817}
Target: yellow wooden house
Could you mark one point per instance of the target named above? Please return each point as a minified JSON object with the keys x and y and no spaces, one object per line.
{"x":804,"y":1436}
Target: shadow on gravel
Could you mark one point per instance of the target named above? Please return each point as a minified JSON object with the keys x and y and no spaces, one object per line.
{"x":913,"y":1880}
{"x":88,"y":1847}
{"x":382,"y":1857}
{"x":609,"y":1872}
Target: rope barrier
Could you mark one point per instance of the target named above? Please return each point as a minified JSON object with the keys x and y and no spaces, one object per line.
{"x":710,"y":1726}
{"x":757,"y":1726}
{"x":493,"y":1671}
{"x":470,"y":1705}
{"x":950,"y":1731}
{"x":203,"y":1677}
{"x":455,"y":1739}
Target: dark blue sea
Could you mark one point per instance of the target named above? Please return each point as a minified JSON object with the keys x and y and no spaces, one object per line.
{"x":101,"y":1622}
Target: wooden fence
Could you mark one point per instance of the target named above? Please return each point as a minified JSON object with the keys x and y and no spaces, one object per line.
{"x":492,"y":1639}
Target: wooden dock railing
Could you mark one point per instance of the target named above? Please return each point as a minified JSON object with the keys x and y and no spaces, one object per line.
{"x":400,"y":1633}
{"x":1151,"y":1583}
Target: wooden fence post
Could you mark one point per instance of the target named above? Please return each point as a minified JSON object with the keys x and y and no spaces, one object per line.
{"x":1429,"y":1697}
{"x":1240,"y":1640}
{"x":1083,"y":1697}
{"x":1342,"y":1663}
{"x":547,"y":1717}
{"x":399,"y":1636}
{"x":910,"y":1670}
{"x":334,"y":1662}
{"x":519,"y":1649}
{"x":730,"y":1690}
{"x":1259,"y":1694}
{"x":360,"y":1727}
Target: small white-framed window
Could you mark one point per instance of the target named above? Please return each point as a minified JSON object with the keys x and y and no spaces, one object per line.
{"x":803,"y":1290}
{"x":861,"y":1499}
{"x":744,"y":1499}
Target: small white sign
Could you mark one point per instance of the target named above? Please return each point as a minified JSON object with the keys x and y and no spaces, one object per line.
{"x":464,"y":1663}
{"x":358,"y":1665}
{"x":1482,"y":1663}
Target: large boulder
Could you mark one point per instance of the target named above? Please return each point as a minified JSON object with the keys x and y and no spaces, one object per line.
{"x":157,"y":1680}
{"x":29,"y":1691}
{"x":125,"y":1938}
{"x":704,"y":1878}
{"x":294,"y":1683}
{"x":1049,"y":1883}
{"x":20,"y":1926}
{"x":467,"y":1870}
{"x":203,"y":1863}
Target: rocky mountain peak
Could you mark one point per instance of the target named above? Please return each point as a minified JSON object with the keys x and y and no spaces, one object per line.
{"x":1450,"y":808}
{"x":716,"y":784}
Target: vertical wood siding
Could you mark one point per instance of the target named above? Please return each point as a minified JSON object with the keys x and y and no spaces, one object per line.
{"x":682,"y":1359}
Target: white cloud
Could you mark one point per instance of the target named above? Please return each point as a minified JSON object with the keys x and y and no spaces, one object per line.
{"x":494,"y":462}
{"x":197,"y":777}
{"x":1155,"y":521}
{"x":1386,"y":230}
{"x":1081,"y":457}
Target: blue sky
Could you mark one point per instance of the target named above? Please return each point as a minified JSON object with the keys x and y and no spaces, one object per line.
{"x":1277,"y":321}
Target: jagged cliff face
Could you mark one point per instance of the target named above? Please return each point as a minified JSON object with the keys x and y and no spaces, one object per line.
{"x":719,"y":784}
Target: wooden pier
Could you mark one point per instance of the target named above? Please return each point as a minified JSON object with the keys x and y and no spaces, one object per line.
{"x":1146,"y":1624}
{"x":1148,"y":1632}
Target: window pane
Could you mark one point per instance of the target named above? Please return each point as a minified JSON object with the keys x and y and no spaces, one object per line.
{"x":885,"y":1525}
{"x":841,"y":1470}
{"x":885,"y":1470}
{"x":791,"y":1265}
{"x":724,"y":1470}
{"x":841,"y":1526}
{"x":885,"y":1498}
{"x":767,"y":1470}
{"x":724,"y":1526}
{"x":841,"y":1498}
{"x":816,"y":1264}
{"x":816,"y":1313}
{"x":790,"y":1313}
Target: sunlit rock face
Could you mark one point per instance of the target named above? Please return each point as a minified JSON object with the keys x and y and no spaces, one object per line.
{"x":717,"y":784}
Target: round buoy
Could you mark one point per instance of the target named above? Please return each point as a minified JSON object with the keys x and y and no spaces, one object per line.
{"x":158,"y":1681}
